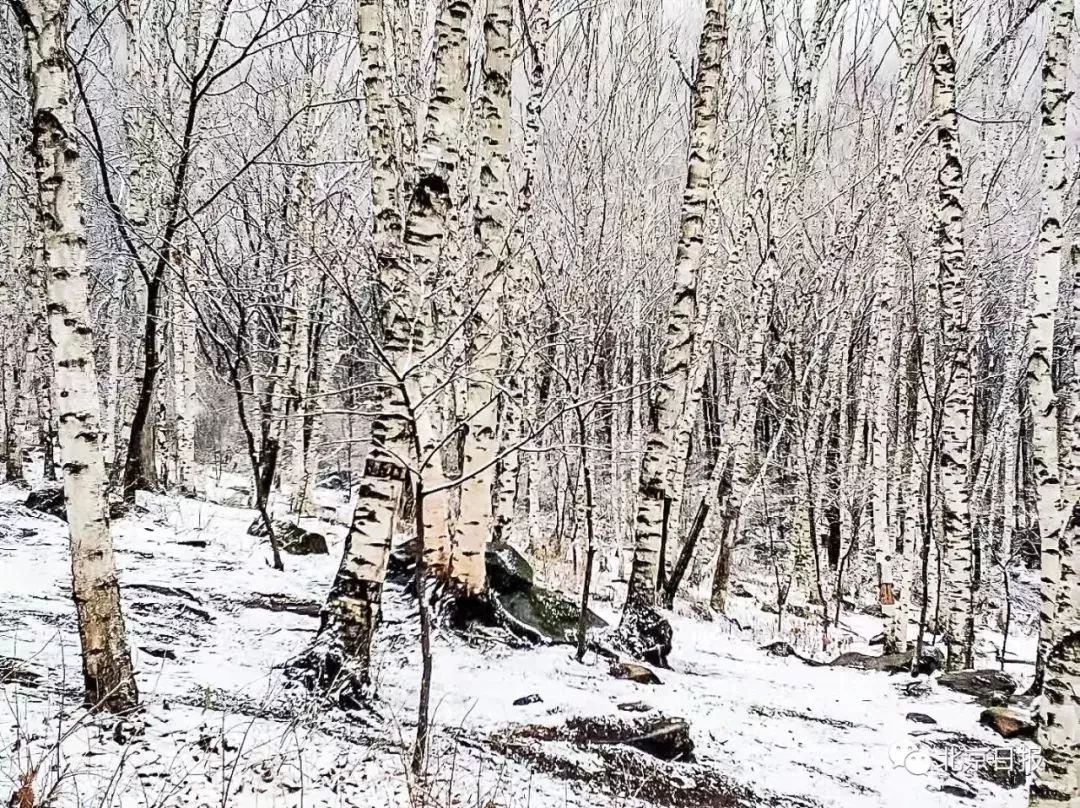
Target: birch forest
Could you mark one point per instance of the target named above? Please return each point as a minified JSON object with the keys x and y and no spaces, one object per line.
{"x":539,"y":403}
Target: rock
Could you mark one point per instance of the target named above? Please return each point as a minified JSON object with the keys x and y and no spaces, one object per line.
{"x":551,"y":615}
{"x":984,"y":685}
{"x":297,"y":541}
{"x":48,"y":499}
{"x":779,"y":649}
{"x":892,"y":663}
{"x":291,"y":538}
{"x":888,"y":663}
{"x":530,"y":699}
{"x":635,"y":673}
{"x":660,"y":736}
{"x":507,"y":569}
{"x":916,"y":689}
{"x":1007,"y":723}
{"x":646,"y":634}
{"x":335,"y":481}
{"x":958,"y":791}
{"x":798,"y":610}
{"x":17,"y":672}
{"x":920,"y":718}
{"x":737,"y":590}
{"x":634,"y":707}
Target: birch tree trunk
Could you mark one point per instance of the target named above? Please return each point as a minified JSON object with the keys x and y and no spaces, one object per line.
{"x":884,"y":545}
{"x":185,"y":319}
{"x":1057,"y":781}
{"x":109,"y":681}
{"x":672,"y":393}
{"x":339,"y":660}
{"x":1043,"y":307}
{"x":956,"y":411}
{"x":474,"y":525}
{"x":518,"y":260}
{"x":295,"y":471}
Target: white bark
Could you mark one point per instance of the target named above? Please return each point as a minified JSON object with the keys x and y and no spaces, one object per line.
{"x":884,"y":533}
{"x":1043,"y":306}
{"x":1057,"y":781}
{"x":672,"y":389}
{"x":107,"y":673}
{"x":515,"y":284}
{"x":340,"y":658}
{"x":474,"y":525}
{"x":956,"y":412}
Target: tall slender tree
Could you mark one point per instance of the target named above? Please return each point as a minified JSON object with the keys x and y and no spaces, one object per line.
{"x":108,"y":678}
{"x":671,"y":392}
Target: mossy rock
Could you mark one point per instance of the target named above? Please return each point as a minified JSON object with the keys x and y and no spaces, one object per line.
{"x":1007,"y":723}
{"x":507,"y":569}
{"x":550,"y":614}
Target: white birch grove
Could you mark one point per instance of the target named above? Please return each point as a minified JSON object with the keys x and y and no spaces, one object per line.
{"x":704,"y":309}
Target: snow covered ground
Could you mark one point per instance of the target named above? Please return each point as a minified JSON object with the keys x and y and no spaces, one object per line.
{"x":211,"y":623}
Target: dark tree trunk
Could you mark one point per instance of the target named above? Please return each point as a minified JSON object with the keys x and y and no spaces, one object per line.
{"x":139,"y":465}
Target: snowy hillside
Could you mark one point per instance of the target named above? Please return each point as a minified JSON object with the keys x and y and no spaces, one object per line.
{"x":211,"y":623}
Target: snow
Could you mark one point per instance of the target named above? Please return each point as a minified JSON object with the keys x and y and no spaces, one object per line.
{"x":222,"y":727}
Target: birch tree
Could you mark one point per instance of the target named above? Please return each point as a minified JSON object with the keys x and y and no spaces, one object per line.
{"x":476,"y":521}
{"x":683,"y":308}
{"x":1057,"y":781}
{"x":108,"y":678}
{"x":956,"y":414}
{"x":339,"y":659}
{"x":1042,"y":397}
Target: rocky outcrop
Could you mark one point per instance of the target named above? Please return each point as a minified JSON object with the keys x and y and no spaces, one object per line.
{"x":291,"y":538}
{"x":48,"y":499}
{"x":987,"y":686}
{"x":890,"y":663}
{"x":1007,"y":723}
{"x":634,"y":673}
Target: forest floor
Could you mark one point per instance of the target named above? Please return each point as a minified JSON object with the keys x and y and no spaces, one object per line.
{"x":211,"y":624}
